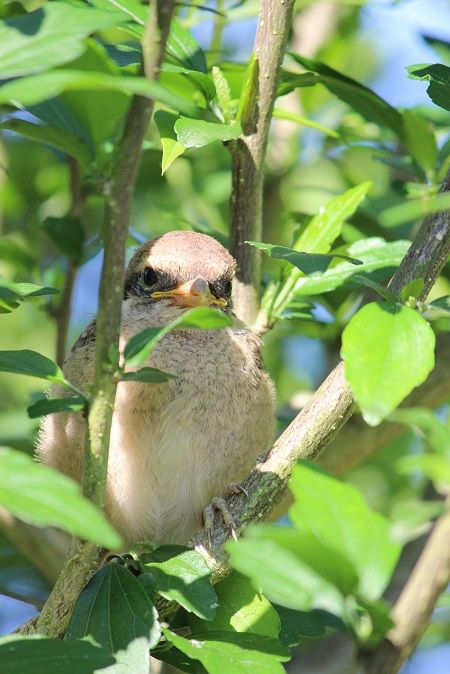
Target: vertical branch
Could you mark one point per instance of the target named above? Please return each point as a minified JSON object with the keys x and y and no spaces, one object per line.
{"x":56,"y":613}
{"x":62,"y":313}
{"x":249,"y":150}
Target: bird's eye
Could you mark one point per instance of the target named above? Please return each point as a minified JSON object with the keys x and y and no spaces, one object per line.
{"x":150,"y":276}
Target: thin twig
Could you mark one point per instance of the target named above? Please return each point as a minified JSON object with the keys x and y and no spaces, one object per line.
{"x":249,"y":150}
{"x":56,"y":614}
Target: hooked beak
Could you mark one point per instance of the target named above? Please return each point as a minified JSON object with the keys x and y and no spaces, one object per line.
{"x":194,"y":293}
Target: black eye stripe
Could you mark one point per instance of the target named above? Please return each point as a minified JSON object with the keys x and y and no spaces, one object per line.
{"x":221,"y":288}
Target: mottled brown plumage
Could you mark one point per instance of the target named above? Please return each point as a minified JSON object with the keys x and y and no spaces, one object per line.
{"x":174,"y":446}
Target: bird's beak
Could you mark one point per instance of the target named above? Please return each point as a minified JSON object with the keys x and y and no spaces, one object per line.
{"x":194,"y":293}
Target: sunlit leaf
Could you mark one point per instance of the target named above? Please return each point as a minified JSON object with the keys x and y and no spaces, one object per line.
{"x":171,"y":146}
{"x":197,"y":132}
{"x":40,"y":495}
{"x":388,"y":349}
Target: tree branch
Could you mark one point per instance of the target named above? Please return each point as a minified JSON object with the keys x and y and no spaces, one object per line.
{"x":415,"y":605}
{"x":322,"y":418}
{"x":249,"y":150}
{"x":56,"y":613}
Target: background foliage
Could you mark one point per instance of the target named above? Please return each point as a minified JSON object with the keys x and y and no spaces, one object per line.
{"x":349,"y":177}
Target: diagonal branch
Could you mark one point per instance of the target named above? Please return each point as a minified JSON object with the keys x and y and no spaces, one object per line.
{"x":248,"y":152}
{"x":330,"y":408}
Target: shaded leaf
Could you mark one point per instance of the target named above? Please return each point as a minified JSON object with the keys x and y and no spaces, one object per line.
{"x":36,"y":655}
{"x":43,"y":496}
{"x":197,"y":132}
{"x":298,"y":624}
{"x":56,"y":138}
{"x":388,"y":349}
{"x":114,"y":610}
{"x":52,"y":405}
{"x":12,"y":294}
{"x":149,"y":375}
{"x":308,"y":263}
{"x":67,"y":235}
{"x":438,"y":76}
{"x":182,"y":575}
{"x":141,"y":345}
{"x":420,"y":141}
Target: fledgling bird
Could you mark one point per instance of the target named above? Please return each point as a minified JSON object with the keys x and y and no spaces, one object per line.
{"x":174,"y":446}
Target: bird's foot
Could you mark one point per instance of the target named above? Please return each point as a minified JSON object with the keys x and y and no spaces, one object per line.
{"x":219,"y":504}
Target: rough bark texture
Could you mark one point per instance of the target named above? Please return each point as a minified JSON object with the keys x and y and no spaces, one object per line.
{"x":249,"y":150}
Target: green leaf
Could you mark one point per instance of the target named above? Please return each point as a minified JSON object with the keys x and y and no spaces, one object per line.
{"x":115,"y":610}
{"x":32,"y":364}
{"x":412,"y":289}
{"x":414,"y":209}
{"x":171,"y":147}
{"x":141,"y":345}
{"x":420,"y":141}
{"x":362,"y":99}
{"x":439,"y":77}
{"x":308,"y":263}
{"x":292,"y":570}
{"x":67,"y":235}
{"x":375,"y":254}
{"x":223,"y":94}
{"x":201,"y":81}
{"x":240,"y":653}
{"x":182,"y":575}
{"x":12,"y":294}
{"x":358,"y":280}
{"x":388,"y":350}
{"x":28,"y":91}
{"x":182,"y":48}
{"x":298,"y":624}
{"x":436,"y":468}
{"x":37,"y":655}
{"x":338,"y":516}
{"x":240,"y":609}
{"x":49,"y":36}
{"x":43,"y":496}
{"x":56,"y":138}
{"x":317,"y":237}
{"x":52,"y":405}
{"x":421,"y":419}
{"x":439,"y":308}
{"x":197,"y":132}
{"x":149,"y":375}
{"x":16,"y":255}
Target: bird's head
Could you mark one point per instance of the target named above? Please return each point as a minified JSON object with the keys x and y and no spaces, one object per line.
{"x":185,"y":269}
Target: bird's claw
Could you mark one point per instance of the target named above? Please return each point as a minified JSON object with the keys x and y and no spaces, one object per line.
{"x":218,"y":503}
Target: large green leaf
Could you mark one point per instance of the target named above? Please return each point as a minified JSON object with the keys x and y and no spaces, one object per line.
{"x":197,"y":132}
{"x":31,"y":90}
{"x":308,"y":263}
{"x":240,"y":609}
{"x":12,"y":294}
{"x":114,"y":610}
{"x":438,"y":76}
{"x":338,"y":516}
{"x":43,"y":496}
{"x":49,"y":36}
{"x":141,"y":345}
{"x":375,"y":253}
{"x":37,"y":655}
{"x":388,"y":349}
{"x":238,"y":653}
{"x":362,"y":99}
{"x":182,"y":575}
{"x":292,"y":570}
